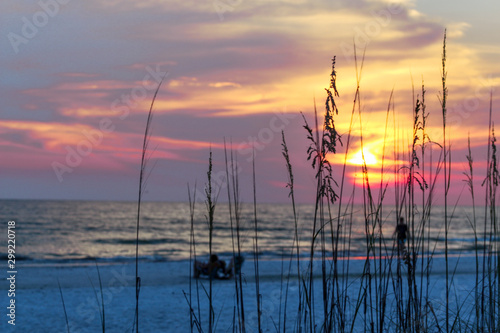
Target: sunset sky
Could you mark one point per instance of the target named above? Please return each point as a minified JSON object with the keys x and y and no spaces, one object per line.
{"x":78,"y":78}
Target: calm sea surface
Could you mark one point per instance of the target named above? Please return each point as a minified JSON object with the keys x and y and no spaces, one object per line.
{"x":83,"y":231}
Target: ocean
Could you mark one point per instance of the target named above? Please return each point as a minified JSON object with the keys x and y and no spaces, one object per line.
{"x":73,"y":232}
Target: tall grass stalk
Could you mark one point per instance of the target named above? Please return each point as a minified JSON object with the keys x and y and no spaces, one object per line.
{"x":195,"y":319}
{"x":375,"y":278}
{"x":470,"y":184}
{"x":210,"y":202}
{"x":496,"y":231}
{"x":425,"y":246}
{"x":102,"y":310}
{"x":337,"y":294}
{"x":366,"y":280}
{"x":383,"y":269}
{"x":192,"y":260}
{"x":485,"y":242}
{"x":142,"y":179}
{"x":256,"y":248}
{"x":491,"y":253}
{"x":64,"y":305}
{"x":235,"y":220}
{"x":296,"y":240}
{"x":322,"y":143}
{"x":446,"y":175}
{"x":337,"y":298}
{"x":313,"y":149}
{"x":100,"y":303}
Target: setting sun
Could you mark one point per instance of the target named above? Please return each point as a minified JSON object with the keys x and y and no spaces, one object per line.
{"x":369,"y":158}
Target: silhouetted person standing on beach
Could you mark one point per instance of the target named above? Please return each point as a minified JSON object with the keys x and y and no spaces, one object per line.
{"x":401,"y":232}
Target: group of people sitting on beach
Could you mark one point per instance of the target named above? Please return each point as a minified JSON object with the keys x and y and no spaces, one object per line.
{"x":217,"y":269}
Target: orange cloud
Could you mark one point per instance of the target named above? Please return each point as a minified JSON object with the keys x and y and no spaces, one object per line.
{"x":52,"y":136}
{"x":56,"y":137}
{"x":169,"y":143}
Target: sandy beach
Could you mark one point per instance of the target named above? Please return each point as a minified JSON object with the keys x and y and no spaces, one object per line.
{"x":165,"y":292}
